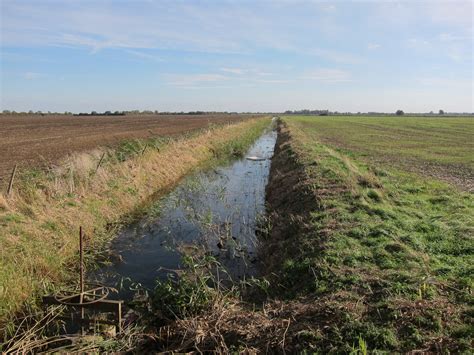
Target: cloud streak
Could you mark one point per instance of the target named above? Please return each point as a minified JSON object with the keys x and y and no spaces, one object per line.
{"x":32,"y":76}
{"x":325,"y":75}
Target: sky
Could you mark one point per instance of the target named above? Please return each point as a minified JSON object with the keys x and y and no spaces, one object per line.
{"x":82,"y":55}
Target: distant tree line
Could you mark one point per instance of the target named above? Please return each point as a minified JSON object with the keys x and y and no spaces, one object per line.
{"x":440,"y":112}
{"x":118,"y":113}
{"x":370,"y":113}
{"x":288,"y":112}
{"x":307,"y":112}
{"x":106,"y":113}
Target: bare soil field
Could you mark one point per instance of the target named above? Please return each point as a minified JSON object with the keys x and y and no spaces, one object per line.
{"x":33,"y":140}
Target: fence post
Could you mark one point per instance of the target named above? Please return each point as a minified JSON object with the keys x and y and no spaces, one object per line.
{"x":100,"y":162}
{"x":10,"y":185}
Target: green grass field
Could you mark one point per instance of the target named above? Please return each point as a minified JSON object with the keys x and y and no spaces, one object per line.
{"x":390,"y":238}
{"x":437,"y":147}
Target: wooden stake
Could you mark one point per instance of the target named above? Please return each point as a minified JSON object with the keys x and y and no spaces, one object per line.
{"x":100,"y":162}
{"x":10,"y":185}
{"x":81,"y":277}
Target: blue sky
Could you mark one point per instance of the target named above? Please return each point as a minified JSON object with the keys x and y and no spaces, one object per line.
{"x":236,"y":55}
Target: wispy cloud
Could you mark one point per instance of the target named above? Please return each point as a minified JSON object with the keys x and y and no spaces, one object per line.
{"x":335,"y":56}
{"x":273,"y":81}
{"x":445,"y":82}
{"x":194,"y":79}
{"x":417,"y":42}
{"x":329,"y":7}
{"x":328,"y":75}
{"x":449,"y":37}
{"x":99,"y":26}
{"x":32,"y":76}
{"x":238,"y":71}
{"x":373,"y":46}
{"x":146,"y":56}
{"x":247,"y":72}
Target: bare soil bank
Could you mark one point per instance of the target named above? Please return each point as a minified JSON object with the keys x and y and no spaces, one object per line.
{"x":289,"y":202}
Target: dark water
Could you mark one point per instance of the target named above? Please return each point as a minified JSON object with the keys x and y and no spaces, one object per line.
{"x":217,"y":209}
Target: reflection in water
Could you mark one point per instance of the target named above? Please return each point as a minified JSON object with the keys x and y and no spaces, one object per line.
{"x":217,"y":209}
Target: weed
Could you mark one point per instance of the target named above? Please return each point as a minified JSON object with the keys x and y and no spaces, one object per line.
{"x":189,"y":294}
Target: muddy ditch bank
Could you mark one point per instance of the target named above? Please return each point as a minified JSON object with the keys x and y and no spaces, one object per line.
{"x":289,"y":201}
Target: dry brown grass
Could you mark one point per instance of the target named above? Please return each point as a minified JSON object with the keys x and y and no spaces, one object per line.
{"x":275,"y":327}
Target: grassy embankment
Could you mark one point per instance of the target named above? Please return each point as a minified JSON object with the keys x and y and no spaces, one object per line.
{"x":378,"y":257}
{"x":39,"y":223}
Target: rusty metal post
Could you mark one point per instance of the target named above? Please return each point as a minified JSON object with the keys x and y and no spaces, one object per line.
{"x":10,"y":185}
{"x":93,"y":298}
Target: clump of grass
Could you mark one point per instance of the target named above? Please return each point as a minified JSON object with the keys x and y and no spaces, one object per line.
{"x":374,"y":195}
{"x":193,"y":292}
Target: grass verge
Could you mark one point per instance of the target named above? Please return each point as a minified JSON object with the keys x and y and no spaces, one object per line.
{"x":39,"y":223}
{"x":375,"y":254}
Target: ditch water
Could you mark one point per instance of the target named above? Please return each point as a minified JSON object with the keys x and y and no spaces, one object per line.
{"x":217,"y":209}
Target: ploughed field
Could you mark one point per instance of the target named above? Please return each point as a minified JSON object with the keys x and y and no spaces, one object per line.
{"x":441,"y":148}
{"x":32,"y":140}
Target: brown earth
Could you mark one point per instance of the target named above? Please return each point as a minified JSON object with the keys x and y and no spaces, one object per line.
{"x":33,"y":140}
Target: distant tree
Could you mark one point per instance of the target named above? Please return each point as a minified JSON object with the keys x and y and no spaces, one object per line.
{"x":441,"y":112}
{"x":399,"y":113}
{"x":6,"y":112}
{"x":431,"y":112}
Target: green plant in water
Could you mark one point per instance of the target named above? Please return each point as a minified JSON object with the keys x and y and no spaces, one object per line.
{"x":189,"y":294}
{"x":361,"y":349}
